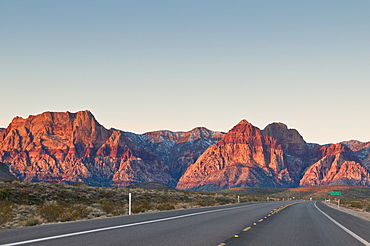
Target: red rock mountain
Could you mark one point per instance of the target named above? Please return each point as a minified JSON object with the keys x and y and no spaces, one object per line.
{"x":274,"y":157}
{"x":335,"y":165}
{"x":177,"y":149}
{"x":295,"y":150}
{"x":361,"y":150}
{"x":74,"y":147}
{"x":243,"y":157}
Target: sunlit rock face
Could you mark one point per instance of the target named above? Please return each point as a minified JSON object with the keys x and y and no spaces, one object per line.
{"x":243,"y":157}
{"x":361,"y":150}
{"x":335,"y":165}
{"x":74,"y":147}
{"x":274,"y":157}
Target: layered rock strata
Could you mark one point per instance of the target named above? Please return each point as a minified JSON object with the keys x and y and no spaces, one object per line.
{"x":335,"y":165}
{"x":243,"y":157}
{"x":74,"y":147}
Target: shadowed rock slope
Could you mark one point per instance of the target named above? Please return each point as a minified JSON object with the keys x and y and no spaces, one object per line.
{"x":177,"y":149}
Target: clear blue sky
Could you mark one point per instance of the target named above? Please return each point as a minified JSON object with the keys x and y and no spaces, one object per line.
{"x":147,"y":65}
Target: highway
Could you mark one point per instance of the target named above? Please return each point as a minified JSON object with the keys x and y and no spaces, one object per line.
{"x":267,"y":223}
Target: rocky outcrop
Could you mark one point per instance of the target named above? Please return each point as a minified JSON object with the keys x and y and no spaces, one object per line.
{"x":74,"y":147}
{"x":335,"y":165}
{"x":361,"y":150}
{"x":274,"y":157}
{"x":243,"y":157}
{"x":177,"y":149}
{"x":295,"y":149}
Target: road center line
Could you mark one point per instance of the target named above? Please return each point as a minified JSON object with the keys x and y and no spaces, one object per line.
{"x":344,"y":228}
{"x":122,"y":226}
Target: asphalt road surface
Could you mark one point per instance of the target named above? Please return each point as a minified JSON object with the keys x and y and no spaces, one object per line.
{"x":268,"y":223}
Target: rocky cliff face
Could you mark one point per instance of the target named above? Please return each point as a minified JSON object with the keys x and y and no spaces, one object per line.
{"x":335,"y":165}
{"x":274,"y":157}
{"x":295,"y":150}
{"x":177,"y":149}
{"x":74,"y":147}
{"x":361,"y":150}
{"x":243,"y":157}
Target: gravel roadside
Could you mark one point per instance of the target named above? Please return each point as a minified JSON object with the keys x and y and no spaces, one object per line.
{"x":361,"y":214}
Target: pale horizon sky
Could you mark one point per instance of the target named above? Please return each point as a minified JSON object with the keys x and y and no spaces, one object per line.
{"x":141,"y":66}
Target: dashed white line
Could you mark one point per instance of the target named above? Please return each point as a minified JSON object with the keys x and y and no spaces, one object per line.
{"x":344,"y":228}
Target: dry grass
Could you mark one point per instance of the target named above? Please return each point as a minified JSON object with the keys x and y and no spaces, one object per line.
{"x":28,"y":204}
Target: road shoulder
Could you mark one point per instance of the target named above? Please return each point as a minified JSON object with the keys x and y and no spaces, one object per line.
{"x":360,"y":214}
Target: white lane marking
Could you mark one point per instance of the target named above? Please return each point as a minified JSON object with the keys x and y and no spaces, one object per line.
{"x":121,"y":226}
{"x":344,"y":228}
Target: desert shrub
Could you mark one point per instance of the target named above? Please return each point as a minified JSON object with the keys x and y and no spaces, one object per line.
{"x":358,"y":205}
{"x":80,"y":211}
{"x":140,"y":207}
{"x":112,"y":208}
{"x":32,"y":222}
{"x":51,"y":211}
{"x":206,"y":202}
{"x":108,"y":207}
{"x":4,"y":193}
{"x":165,"y":206}
{"x":62,"y":211}
{"x":6,"y":212}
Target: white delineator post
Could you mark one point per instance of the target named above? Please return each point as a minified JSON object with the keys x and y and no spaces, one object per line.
{"x":238,"y":199}
{"x":338,"y":203}
{"x":129,"y":203}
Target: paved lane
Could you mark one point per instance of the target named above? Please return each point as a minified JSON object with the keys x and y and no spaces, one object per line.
{"x":289,"y":223}
{"x":304,"y":224}
{"x":204,"y":226}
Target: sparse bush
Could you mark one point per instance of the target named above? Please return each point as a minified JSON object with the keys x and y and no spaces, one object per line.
{"x":32,"y":222}
{"x":140,"y":207}
{"x":108,"y":207}
{"x":206,"y":202}
{"x":358,"y":205}
{"x":80,"y":211}
{"x":51,"y":211}
{"x":165,"y":206}
{"x":6,"y":212}
{"x":4,"y":193}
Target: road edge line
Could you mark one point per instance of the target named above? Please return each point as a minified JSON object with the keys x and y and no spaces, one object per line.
{"x":121,"y":226}
{"x":344,"y":228}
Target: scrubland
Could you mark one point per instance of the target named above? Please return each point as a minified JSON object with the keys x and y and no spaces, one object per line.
{"x":29,"y":204}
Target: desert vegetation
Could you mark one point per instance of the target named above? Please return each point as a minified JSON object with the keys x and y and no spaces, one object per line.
{"x":29,"y":204}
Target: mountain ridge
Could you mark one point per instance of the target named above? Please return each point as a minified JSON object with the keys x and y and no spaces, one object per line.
{"x":74,"y":147}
